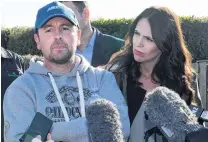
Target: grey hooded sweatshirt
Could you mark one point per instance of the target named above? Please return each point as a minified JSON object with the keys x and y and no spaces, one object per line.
{"x":35,"y":91}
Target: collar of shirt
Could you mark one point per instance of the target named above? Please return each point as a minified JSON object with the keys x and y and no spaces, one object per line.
{"x":92,"y":40}
{"x":88,"y":51}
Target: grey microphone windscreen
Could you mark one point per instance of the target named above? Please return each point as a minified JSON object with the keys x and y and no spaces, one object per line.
{"x":170,"y":114}
{"x":104,"y":122}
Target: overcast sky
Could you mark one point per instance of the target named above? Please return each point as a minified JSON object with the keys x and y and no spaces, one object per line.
{"x":23,"y":12}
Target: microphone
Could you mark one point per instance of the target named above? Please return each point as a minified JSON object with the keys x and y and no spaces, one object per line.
{"x":200,"y":113}
{"x":198,"y":136}
{"x":170,"y":114}
{"x":104,"y":122}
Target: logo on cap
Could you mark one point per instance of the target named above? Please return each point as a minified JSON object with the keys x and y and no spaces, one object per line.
{"x":53,"y":7}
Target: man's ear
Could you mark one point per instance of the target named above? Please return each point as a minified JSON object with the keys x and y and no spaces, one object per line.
{"x":37,"y":40}
{"x":86,"y":13}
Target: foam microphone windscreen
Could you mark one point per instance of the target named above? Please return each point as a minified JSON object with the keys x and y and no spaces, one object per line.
{"x":104,"y":123}
{"x":170,"y":114}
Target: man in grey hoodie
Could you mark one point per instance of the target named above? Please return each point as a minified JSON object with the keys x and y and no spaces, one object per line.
{"x":61,"y":85}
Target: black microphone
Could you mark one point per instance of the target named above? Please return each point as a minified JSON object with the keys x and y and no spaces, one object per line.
{"x":170,"y":114}
{"x":200,"y":113}
{"x":198,"y":136}
{"x":104,"y":123}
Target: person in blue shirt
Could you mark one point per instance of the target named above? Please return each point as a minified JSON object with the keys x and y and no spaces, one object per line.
{"x":95,"y":46}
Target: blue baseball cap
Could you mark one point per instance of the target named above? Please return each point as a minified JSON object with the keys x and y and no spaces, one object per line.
{"x":51,"y":10}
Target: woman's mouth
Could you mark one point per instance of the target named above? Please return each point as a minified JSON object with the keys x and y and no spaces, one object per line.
{"x":138,"y":52}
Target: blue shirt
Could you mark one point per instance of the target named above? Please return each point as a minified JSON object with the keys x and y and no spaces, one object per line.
{"x":88,"y":50}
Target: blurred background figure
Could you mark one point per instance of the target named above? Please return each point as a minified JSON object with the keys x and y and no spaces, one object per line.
{"x":12,"y":66}
{"x":95,"y":46}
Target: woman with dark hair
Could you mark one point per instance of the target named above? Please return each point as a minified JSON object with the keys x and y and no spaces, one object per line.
{"x":154,"y":55}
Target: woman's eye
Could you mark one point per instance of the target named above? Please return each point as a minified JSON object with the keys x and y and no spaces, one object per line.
{"x":149,"y":39}
{"x":136,"y":33}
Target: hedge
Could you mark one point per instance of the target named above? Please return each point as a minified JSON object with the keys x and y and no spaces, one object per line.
{"x":20,"y":39}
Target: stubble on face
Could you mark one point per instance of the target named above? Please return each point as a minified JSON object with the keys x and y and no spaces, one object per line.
{"x":64,"y":55}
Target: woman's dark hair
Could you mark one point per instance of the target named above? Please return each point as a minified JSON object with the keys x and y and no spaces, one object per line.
{"x":173,"y":69}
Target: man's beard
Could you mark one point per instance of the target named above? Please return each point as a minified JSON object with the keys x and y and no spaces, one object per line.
{"x":65,"y":57}
{"x":61,"y":60}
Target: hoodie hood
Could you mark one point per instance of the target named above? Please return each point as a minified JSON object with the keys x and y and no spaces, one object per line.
{"x":37,"y":67}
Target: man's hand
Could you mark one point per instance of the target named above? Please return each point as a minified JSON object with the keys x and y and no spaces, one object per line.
{"x":38,"y":138}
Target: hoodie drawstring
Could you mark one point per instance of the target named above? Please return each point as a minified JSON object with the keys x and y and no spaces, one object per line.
{"x":81,"y":96}
{"x":55,"y":88}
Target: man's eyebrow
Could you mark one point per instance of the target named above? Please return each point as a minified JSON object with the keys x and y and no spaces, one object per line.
{"x":46,"y":26}
{"x":49,"y":25}
{"x":68,"y":24}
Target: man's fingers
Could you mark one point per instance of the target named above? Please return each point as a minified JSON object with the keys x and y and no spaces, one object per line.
{"x":49,"y":136}
{"x":37,"y":139}
{"x":49,"y":139}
